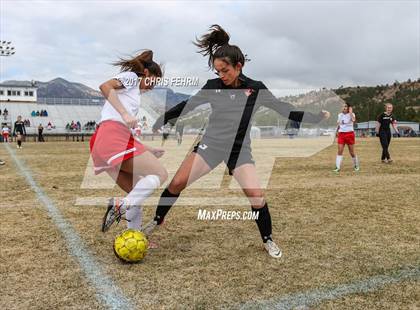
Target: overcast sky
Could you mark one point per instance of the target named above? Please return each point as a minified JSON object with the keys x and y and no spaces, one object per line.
{"x":293,"y":45}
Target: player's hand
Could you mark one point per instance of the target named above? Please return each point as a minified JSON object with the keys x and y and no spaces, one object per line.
{"x":325,"y":114}
{"x":155,"y":130}
{"x":350,"y":109}
{"x":129,"y":120}
{"x":157,"y":151}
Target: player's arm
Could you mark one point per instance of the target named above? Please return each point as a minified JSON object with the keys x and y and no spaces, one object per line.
{"x":394,"y":125}
{"x":108,"y":89}
{"x":352,"y":115}
{"x":267,"y":99}
{"x":14,"y":129}
{"x":378,"y":124}
{"x":24,"y":129}
{"x":172,"y":115}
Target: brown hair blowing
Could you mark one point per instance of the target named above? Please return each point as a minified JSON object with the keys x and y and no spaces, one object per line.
{"x":215,"y":44}
{"x":140,"y":62}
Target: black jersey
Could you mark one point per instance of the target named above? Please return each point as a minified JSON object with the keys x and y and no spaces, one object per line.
{"x":385,"y":120}
{"x":19,"y":127}
{"x":232,"y":110}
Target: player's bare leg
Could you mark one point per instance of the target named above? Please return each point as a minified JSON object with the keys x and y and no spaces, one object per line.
{"x":246,"y":176}
{"x":146,"y":174}
{"x":191,"y":169}
{"x":354,"y":158}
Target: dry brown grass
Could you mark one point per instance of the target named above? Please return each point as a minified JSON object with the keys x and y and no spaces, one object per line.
{"x":203,"y":264}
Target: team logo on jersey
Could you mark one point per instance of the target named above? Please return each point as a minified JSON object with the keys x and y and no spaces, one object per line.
{"x":203,"y":146}
{"x":249,"y":92}
{"x":232,"y":96}
{"x":218,"y":91}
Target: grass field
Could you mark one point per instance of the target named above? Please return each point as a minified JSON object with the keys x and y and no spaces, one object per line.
{"x":333,"y":230}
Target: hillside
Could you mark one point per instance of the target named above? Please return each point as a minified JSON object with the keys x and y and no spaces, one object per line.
{"x":368,"y":101}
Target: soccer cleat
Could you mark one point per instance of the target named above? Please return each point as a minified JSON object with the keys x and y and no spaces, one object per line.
{"x":2,"y":162}
{"x":336,"y":170}
{"x":272,"y":249}
{"x":112,"y":214}
{"x":384,"y":161}
{"x":390,"y":161}
{"x":149,"y":227}
{"x":356,"y":168}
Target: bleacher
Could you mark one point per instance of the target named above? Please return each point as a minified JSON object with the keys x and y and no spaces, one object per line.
{"x":59,"y":115}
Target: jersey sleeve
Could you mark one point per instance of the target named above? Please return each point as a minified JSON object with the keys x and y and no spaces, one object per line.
{"x":184,"y":107}
{"x":267,"y":99}
{"x":128,"y":79}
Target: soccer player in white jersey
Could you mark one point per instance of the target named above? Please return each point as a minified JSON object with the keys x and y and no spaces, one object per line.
{"x":133,"y":165}
{"x":345,"y":136}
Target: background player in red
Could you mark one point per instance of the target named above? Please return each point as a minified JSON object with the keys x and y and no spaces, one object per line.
{"x":345,"y":136}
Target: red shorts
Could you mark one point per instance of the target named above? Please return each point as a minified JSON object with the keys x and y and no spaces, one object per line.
{"x":111,"y":144}
{"x":346,"y":138}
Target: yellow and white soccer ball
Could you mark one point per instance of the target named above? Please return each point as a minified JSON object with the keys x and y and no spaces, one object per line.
{"x":131,"y":246}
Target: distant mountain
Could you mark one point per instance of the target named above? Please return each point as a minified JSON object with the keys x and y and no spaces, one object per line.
{"x":60,"y":88}
{"x":162,"y":99}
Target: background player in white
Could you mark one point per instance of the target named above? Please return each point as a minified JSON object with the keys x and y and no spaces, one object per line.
{"x":345,"y":135}
{"x":133,"y":165}
{"x":5,"y":131}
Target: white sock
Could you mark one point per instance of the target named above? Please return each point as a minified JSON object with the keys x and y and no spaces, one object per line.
{"x":143,"y":189}
{"x":134,"y":217}
{"x":338,"y":161}
{"x":355,"y":161}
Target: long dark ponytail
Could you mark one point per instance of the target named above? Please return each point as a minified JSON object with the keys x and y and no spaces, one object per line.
{"x":215,"y":44}
{"x":140,"y":62}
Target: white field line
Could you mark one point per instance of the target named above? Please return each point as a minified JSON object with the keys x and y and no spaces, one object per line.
{"x":106,"y":290}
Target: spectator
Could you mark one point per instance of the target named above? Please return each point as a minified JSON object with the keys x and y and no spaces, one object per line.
{"x":33,"y":113}
{"x":40,"y":135}
{"x":45,"y":113}
{"x":37,"y":113}
{"x":49,"y":126}
{"x":5,"y":112}
{"x":5,"y":133}
{"x":68,"y":127}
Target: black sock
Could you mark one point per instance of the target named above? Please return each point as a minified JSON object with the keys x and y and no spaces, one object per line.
{"x":264,"y":222}
{"x":19,"y":143}
{"x":166,"y":201}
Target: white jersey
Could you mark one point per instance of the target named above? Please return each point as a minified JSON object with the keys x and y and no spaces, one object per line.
{"x":5,"y":130}
{"x":345,"y":122}
{"x":129,"y":97}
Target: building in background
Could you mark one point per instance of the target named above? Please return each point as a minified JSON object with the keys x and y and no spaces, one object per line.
{"x":19,"y":92}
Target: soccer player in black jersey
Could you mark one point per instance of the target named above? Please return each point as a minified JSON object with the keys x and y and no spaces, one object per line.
{"x":383,"y":130}
{"x":19,"y":130}
{"x":234,"y":98}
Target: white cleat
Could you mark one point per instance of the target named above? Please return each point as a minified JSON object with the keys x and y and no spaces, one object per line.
{"x":272,"y":249}
{"x":149,"y":227}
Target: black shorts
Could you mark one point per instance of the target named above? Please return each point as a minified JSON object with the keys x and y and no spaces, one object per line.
{"x":214,"y":155}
